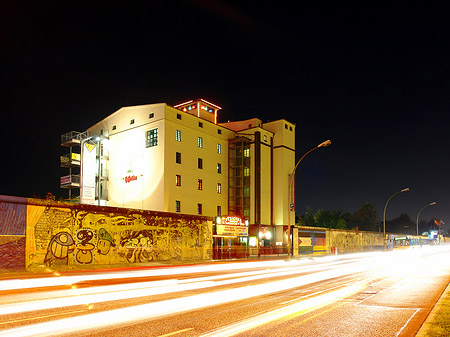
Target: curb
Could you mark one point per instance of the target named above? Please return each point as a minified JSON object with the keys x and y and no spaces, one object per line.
{"x":429,"y":321}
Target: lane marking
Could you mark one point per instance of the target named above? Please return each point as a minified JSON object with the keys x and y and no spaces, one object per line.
{"x":41,"y":317}
{"x":407,"y":322}
{"x":176,"y":332}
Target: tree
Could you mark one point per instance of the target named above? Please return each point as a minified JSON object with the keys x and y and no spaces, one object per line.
{"x":365,"y":218}
{"x":402,"y":225}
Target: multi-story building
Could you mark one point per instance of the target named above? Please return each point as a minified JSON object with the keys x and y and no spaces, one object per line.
{"x":180,"y":159}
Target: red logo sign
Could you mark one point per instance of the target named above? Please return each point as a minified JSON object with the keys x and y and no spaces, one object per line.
{"x":130,"y":178}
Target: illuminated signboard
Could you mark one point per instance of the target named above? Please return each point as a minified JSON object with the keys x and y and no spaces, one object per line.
{"x":231,"y":226}
{"x":88,"y":173}
{"x":66,"y":180}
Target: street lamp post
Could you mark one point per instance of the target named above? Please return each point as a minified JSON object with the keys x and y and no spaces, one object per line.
{"x":291,"y":178}
{"x":384,"y":214}
{"x":417,"y":222}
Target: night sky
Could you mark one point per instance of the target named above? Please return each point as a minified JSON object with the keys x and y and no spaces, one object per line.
{"x":373,"y":80}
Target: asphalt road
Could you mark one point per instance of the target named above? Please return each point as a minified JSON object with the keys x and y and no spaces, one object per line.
{"x":367,"y":294}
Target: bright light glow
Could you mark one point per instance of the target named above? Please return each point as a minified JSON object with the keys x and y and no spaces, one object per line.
{"x":297,"y":309}
{"x":268,"y":235}
{"x":162,"y":308}
{"x":406,"y":267}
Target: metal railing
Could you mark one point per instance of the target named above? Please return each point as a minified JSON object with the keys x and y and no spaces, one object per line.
{"x":73,"y":136}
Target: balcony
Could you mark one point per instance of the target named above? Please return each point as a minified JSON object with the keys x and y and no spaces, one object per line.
{"x":104,"y":174}
{"x":70,"y":160}
{"x":73,"y":138}
{"x":70,"y":181}
{"x":103,"y":195}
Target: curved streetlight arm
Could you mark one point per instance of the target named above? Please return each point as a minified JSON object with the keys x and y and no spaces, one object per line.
{"x":384,"y":213}
{"x":323,"y":144}
{"x":418,"y":214}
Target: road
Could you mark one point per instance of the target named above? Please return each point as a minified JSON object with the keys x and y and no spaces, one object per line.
{"x":367,"y":294}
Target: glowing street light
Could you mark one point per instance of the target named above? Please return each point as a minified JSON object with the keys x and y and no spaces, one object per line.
{"x":384,"y":214}
{"x":417,"y":222}
{"x":291,"y":179}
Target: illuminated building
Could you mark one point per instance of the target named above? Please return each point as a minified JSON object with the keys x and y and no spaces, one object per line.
{"x":180,"y":159}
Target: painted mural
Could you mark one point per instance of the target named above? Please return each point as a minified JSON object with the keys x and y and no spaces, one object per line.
{"x":70,"y":237}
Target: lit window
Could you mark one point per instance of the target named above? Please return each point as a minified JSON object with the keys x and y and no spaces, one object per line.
{"x":132,"y":121}
{"x":177,"y":206}
{"x":152,"y":138}
{"x":265,"y":138}
{"x":200,"y":142}
{"x":219,"y":168}
{"x":178,"y":180}
{"x":246,"y":171}
{"x":178,"y":158}
{"x":151,"y":115}
{"x":199,"y":209}
{"x":247,"y":153}
{"x":219,"y":188}
{"x":200,"y":184}
{"x":200,"y":124}
{"x":200,"y":163}
{"x":178,"y":136}
{"x":219,"y":148}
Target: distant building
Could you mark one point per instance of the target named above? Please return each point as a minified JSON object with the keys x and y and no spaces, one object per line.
{"x":180,"y":159}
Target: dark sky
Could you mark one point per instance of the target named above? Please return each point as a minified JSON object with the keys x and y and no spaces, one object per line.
{"x":373,"y":80}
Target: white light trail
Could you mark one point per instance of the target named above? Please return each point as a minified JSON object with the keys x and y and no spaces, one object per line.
{"x":128,"y":291}
{"x":163,"y":308}
{"x":296,"y":309}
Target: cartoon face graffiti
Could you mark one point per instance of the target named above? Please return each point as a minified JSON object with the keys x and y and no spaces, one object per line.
{"x":84,"y":247}
{"x":105,"y":241}
{"x":59,"y":248}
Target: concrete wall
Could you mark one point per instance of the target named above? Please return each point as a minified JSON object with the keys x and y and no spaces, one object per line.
{"x":353,"y":241}
{"x":317,"y":240}
{"x":62,"y":236}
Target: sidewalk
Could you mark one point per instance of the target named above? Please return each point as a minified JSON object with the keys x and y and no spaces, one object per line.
{"x":438,"y":321}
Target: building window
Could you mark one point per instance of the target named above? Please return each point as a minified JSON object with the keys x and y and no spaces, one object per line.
{"x":178,"y":116}
{"x":132,"y":121}
{"x":114,"y":127}
{"x":200,"y":124}
{"x":285,"y":126}
{"x":199,"y":209}
{"x":219,"y":131}
{"x":219,"y":188}
{"x":178,"y":180}
{"x":290,"y":128}
{"x":219,"y":210}
{"x":178,"y":135}
{"x":200,"y":142}
{"x":200,"y":184}
{"x":152,"y":138}
{"x":200,"y":163}
{"x":265,"y":138}
{"x":151,"y":115}
{"x":219,"y":148}
{"x":177,"y":206}
{"x":219,"y":168}
{"x":178,"y":158}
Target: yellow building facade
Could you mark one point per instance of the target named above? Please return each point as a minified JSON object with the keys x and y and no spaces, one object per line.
{"x":180,"y":159}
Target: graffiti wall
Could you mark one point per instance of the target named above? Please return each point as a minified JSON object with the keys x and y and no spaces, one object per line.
{"x":354,"y":241}
{"x":314,"y":240}
{"x":71,"y":237}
